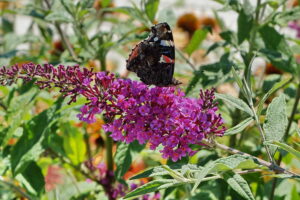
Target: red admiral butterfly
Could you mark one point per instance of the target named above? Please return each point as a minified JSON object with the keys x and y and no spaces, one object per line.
{"x":153,"y":59}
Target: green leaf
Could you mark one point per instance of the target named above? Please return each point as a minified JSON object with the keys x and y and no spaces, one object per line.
{"x":239,"y":184}
{"x":161,"y":171}
{"x":132,"y":12}
{"x":30,"y":145}
{"x":294,"y":193}
{"x":276,"y":120}
{"x":74,"y":145}
{"x":72,"y":190}
{"x":229,"y":37}
{"x":238,"y":128}
{"x":284,"y":147}
{"x":277,"y":49}
{"x":153,"y":186}
{"x":270,"y":81}
{"x":213,"y":47}
{"x":211,"y":74}
{"x":151,"y":8}
{"x":236,"y":102}
{"x":105,"y":3}
{"x":197,"y":38}
{"x":245,"y":23}
{"x":122,"y":159}
{"x":286,"y":16}
{"x":17,"y":110}
{"x":275,"y":87}
{"x":35,"y":181}
{"x":224,"y":164}
{"x":237,"y":78}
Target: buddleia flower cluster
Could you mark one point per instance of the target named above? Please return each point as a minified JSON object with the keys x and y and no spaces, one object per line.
{"x":133,"y":110}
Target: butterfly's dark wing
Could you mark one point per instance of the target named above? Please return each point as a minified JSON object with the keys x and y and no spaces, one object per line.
{"x":153,"y":59}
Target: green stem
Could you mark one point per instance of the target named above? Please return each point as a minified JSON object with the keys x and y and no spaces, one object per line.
{"x":262,"y":134}
{"x":103,"y":63}
{"x":250,"y":56}
{"x":15,"y":188}
{"x":109,"y":152}
{"x":270,"y":165}
{"x":63,"y":36}
{"x":186,"y":59}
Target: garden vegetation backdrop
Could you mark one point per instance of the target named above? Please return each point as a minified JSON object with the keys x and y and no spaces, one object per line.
{"x":76,"y":125}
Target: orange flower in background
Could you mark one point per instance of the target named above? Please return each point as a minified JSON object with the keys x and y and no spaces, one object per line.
{"x":295,"y":3}
{"x":188,"y":22}
{"x":136,"y":167}
{"x":94,"y":129}
{"x":4,"y":5}
{"x":271,"y":69}
{"x":12,"y":141}
{"x":209,"y":21}
{"x":57,"y":48}
{"x":95,"y":64}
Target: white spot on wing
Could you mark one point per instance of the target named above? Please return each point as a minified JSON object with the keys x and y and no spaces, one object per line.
{"x":166,"y":43}
{"x":162,"y":60}
{"x":155,"y":39}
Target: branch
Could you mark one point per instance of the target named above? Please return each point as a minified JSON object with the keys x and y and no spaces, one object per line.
{"x":271,"y":166}
{"x":186,"y":60}
{"x":16,"y":188}
{"x":63,"y":36}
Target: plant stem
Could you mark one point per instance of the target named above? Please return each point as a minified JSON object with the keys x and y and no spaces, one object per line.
{"x":63,"y":36}
{"x":75,"y":167}
{"x":271,"y":166}
{"x":262,"y":134}
{"x":109,"y":153}
{"x":103,"y":63}
{"x":88,"y":147}
{"x":285,"y":137}
{"x":16,"y":188}
{"x":250,"y":56}
{"x":186,"y":60}
{"x":218,"y":176}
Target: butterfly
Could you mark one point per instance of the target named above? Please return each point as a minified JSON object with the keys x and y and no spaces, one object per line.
{"x":153,"y":59}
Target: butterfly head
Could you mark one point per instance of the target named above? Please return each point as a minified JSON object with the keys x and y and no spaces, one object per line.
{"x":162,"y":30}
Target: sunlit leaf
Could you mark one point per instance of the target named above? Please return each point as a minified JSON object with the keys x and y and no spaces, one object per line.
{"x":225,"y":164}
{"x":284,"y":147}
{"x":239,"y":127}
{"x":151,"y":7}
{"x":195,"y":42}
{"x":153,"y":186}
{"x":30,"y":145}
{"x":73,"y":143}
{"x":270,"y":92}
{"x":276,"y":120}
{"x":239,"y":184}
{"x":122,"y":159}
{"x":245,"y":22}
{"x":236,"y":102}
{"x":36,"y":182}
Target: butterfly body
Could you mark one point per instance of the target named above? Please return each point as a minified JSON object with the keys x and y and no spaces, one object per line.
{"x":153,"y":59}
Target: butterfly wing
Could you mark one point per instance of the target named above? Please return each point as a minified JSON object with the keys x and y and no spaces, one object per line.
{"x":153,"y":59}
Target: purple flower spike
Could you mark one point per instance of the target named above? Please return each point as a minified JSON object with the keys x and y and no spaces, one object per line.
{"x":158,"y":115}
